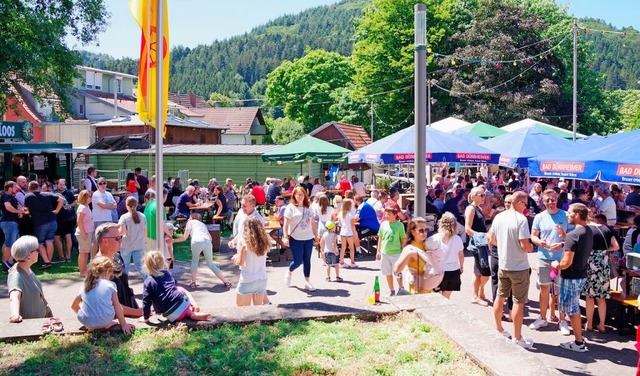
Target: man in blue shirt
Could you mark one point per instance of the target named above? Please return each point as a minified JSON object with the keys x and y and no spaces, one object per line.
{"x":548,"y":232}
{"x":368,"y":220}
{"x":185,"y":202}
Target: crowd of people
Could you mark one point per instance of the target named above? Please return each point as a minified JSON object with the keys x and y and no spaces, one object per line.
{"x":499,"y":218}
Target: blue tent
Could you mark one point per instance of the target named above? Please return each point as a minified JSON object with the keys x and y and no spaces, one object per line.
{"x":615,"y":157}
{"x":441,"y":147}
{"x":467,"y":136}
{"x":518,"y":146}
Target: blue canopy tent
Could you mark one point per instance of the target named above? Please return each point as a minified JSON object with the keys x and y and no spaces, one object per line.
{"x":441,"y":147}
{"x":467,"y":136}
{"x":518,"y":146}
{"x":616,"y":158}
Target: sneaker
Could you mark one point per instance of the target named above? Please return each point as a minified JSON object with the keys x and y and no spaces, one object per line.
{"x":353,"y":265}
{"x":565,"y":330}
{"x":343,"y":265}
{"x":525,"y":343}
{"x":287,"y":278}
{"x":539,"y":323}
{"x":506,"y":334}
{"x":309,"y":287}
{"x":573,"y":346}
{"x":391,"y":293}
{"x":402,"y":291}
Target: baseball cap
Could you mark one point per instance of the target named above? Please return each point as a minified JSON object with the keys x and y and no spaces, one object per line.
{"x":330,"y":225}
{"x":279,"y":198}
{"x":170,"y":226}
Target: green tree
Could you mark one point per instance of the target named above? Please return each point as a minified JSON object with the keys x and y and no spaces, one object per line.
{"x":32,"y":41}
{"x":304,"y":87}
{"x":220,"y":100}
{"x":383,"y":54}
{"x":284,"y":131}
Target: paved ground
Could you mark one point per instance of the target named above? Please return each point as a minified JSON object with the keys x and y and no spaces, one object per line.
{"x":608,"y":353}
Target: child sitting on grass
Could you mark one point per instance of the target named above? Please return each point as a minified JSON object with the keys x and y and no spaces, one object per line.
{"x":329,"y":247}
{"x":161,"y":291}
{"x":97,"y":302}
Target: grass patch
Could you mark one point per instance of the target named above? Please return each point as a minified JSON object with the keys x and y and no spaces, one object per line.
{"x":396,"y":345}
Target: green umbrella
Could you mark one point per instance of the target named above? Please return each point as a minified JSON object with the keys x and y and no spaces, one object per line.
{"x":305,"y":149}
{"x":482,"y":130}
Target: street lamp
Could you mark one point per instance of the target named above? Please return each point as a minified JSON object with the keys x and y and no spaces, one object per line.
{"x":420,"y":107}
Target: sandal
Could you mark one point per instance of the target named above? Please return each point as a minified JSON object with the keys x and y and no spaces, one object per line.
{"x":328,"y":279}
{"x":227,"y":285}
{"x":56,"y":324}
{"x":338,"y":279}
{"x":47,"y":327}
{"x":193,"y":285}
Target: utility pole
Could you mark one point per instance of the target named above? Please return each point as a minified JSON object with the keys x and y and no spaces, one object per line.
{"x":371,"y":121}
{"x":575,"y":78}
{"x":420,"y":108}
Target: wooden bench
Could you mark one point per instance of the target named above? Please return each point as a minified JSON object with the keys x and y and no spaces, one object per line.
{"x":628,"y":304}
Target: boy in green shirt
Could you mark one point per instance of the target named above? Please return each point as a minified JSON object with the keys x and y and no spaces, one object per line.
{"x":390,"y":238}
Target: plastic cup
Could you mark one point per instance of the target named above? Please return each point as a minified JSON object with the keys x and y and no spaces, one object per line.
{"x":554,"y":273}
{"x":371,"y":299}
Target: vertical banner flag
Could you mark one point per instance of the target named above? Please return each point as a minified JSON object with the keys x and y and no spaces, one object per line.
{"x":145,"y":14}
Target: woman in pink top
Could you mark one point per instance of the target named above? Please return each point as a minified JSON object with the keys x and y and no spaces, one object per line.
{"x":84,"y":231}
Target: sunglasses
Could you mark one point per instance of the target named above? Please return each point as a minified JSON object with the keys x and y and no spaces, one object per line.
{"x":116,"y":238}
{"x":550,"y":200}
{"x":421,"y":230}
{"x":480,"y":195}
{"x":103,"y":183}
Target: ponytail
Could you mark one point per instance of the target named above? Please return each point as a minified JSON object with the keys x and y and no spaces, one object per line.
{"x":132,"y":205}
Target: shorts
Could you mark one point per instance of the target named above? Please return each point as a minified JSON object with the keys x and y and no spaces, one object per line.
{"x":514,"y":282}
{"x":386,"y":264}
{"x":66,"y":228}
{"x":451,"y":281}
{"x":477,"y":269}
{"x":11,"y":232}
{"x":569,"y":300}
{"x":85,"y":245}
{"x":259,"y":286}
{"x":46,"y":232}
{"x":331,"y":259}
{"x":544,"y":273}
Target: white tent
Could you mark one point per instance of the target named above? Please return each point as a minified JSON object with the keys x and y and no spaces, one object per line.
{"x":527,"y":123}
{"x":449,"y":124}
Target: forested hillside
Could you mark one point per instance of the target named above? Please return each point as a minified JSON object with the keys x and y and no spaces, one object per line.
{"x":235,"y":67}
{"x":615,"y":53}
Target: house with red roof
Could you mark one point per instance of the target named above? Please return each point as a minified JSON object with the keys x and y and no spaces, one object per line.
{"x":349,"y":136}
{"x":246,"y":125}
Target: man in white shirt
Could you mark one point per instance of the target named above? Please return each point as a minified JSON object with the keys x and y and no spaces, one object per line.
{"x":374,"y":201}
{"x":358,"y":187}
{"x":90,"y":183}
{"x":608,"y":206}
{"x":103,"y":204}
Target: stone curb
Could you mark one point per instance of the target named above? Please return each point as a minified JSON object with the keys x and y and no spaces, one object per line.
{"x":482,"y":344}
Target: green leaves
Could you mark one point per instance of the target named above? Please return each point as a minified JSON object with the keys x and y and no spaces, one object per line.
{"x":304,"y":87}
{"x":32,"y":38}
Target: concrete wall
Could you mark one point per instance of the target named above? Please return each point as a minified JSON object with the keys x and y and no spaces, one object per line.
{"x":79,"y":135}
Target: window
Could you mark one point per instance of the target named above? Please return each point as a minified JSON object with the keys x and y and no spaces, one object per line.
{"x":81,"y":109}
{"x":90,"y":80}
{"x":97,"y":83}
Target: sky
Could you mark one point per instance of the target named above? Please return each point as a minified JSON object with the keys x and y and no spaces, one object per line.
{"x":196,"y":22}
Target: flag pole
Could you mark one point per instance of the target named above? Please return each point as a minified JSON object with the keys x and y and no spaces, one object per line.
{"x":159,"y":125}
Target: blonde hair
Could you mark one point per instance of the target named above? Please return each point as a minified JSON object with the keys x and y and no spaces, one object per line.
{"x":448,"y":225}
{"x":154,"y":263}
{"x":84,"y":196}
{"x":347,"y":204}
{"x":256,"y":237}
{"x":323,"y":202}
{"x":97,"y":268}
